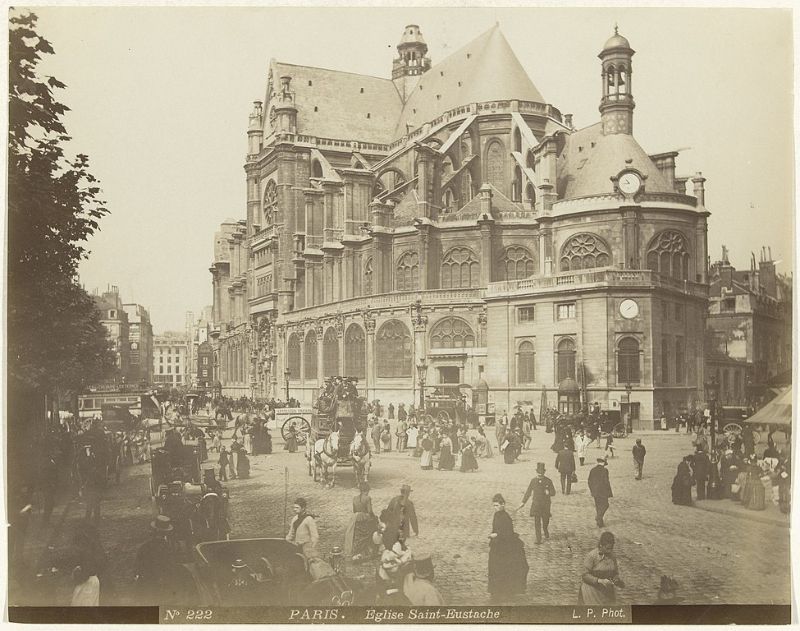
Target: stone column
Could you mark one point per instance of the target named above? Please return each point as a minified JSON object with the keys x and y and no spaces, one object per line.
{"x":422,"y":248}
{"x":487,"y":257}
{"x":320,"y":331}
{"x":369,"y":328}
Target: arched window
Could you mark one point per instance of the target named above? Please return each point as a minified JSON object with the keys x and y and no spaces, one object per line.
{"x":270,"y":204}
{"x":393,"y":350}
{"x":310,"y":357}
{"x":668,"y":254}
{"x":355,"y":352}
{"x":316,"y":169}
{"x":517,"y":140}
{"x":460,"y":268}
{"x":452,"y":333}
{"x":517,"y":262}
{"x":367,"y":280}
{"x":628,"y":361}
{"x":330,"y":354}
{"x":530,"y":195}
{"x":466,"y":186}
{"x":566,"y":359}
{"x":530,"y":161}
{"x":407,"y":272}
{"x":584,"y":251}
{"x":448,"y":202}
{"x":526,"y":360}
{"x":495,"y":165}
{"x":293,"y":356}
{"x":516,"y":185}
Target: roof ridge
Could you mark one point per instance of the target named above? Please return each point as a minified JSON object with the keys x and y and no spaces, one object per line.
{"x":357,"y":74}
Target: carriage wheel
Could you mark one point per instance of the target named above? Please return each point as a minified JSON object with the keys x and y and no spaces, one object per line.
{"x":619,"y":431}
{"x":302,"y":426}
{"x":443,"y":416}
{"x":732,"y":428}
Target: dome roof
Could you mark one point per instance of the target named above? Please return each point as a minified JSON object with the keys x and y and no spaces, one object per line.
{"x":412,"y":35}
{"x":569,"y":385}
{"x":616,"y":41}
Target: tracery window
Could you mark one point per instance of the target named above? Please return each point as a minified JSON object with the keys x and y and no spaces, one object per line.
{"x":668,"y":254}
{"x":526,"y":361}
{"x":584,"y":251}
{"x":330,"y":354}
{"x":407,"y":272}
{"x":495,"y":165}
{"x":517,"y":263}
{"x":628,"y":361}
{"x":516,"y":185}
{"x":448,"y":202}
{"x":310,"y":356}
{"x":270,"y":203}
{"x":355,"y":352}
{"x":393,"y":350}
{"x":460,"y":268}
{"x":566,"y":359}
{"x":367,"y":279}
{"x":293,"y":356}
{"x":452,"y":333}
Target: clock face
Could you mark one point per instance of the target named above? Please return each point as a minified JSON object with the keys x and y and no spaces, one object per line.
{"x":628,"y":308}
{"x":630,"y":183}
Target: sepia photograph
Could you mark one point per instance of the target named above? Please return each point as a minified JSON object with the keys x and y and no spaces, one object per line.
{"x":368,"y":314}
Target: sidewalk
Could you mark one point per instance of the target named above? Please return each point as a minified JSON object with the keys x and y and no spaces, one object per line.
{"x":770,"y":515}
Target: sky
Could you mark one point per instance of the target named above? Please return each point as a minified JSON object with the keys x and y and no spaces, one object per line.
{"x":160,"y":99}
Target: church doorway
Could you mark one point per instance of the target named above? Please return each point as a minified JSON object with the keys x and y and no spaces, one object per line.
{"x":449,"y":374}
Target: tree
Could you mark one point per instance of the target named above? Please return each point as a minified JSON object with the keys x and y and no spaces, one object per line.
{"x":55,"y":336}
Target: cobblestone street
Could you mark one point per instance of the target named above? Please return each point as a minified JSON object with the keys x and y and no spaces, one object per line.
{"x":715,"y":557}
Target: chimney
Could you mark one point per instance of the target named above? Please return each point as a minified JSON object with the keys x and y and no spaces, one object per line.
{"x":699,"y":190}
{"x":568,"y":120}
{"x":665,"y":163}
{"x":680,"y":185}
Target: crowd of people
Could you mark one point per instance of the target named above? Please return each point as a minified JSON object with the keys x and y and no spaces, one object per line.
{"x":733,"y":469}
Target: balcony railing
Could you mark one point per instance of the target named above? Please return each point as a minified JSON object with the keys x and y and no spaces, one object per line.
{"x":618,"y":278}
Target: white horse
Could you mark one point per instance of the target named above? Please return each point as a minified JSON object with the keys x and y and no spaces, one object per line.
{"x":325,"y":456}
{"x":362,"y":458}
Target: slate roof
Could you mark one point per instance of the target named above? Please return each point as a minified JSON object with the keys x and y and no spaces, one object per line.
{"x":589,"y":159}
{"x":342,"y":107}
{"x":487,"y":70}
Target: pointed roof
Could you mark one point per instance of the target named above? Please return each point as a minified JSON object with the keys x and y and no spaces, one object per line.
{"x":589,"y":160}
{"x":341,"y":105}
{"x":486,"y":69}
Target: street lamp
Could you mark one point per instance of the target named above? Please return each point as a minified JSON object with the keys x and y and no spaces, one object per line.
{"x":712,"y":391}
{"x":287,"y":373}
{"x":422,"y":367}
{"x":628,"y":390}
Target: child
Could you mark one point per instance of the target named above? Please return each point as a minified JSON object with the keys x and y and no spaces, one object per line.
{"x":609,"y":445}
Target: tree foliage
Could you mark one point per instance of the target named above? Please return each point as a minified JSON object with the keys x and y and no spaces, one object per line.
{"x":55,"y":337}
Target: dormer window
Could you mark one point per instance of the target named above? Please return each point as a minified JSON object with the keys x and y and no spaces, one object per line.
{"x":310,"y":82}
{"x":316,"y":109}
{"x":469,"y":55}
{"x":362,"y":90}
{"x":112,"y":314}
{"x":368,"y":114}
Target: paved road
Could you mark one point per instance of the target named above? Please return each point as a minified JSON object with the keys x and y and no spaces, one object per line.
{"x":716,"y":558}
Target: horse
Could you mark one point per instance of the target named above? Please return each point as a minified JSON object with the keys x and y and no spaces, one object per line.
{"x":325,"y":456}
{"x":362,"y":458}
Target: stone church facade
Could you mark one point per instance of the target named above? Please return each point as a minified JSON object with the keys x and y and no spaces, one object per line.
{"x":449,"y":225}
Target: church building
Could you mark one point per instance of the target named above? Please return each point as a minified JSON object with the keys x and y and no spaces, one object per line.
{"x":448,"y":225}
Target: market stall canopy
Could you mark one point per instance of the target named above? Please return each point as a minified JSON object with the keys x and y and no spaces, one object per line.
{"x":776,"y":412}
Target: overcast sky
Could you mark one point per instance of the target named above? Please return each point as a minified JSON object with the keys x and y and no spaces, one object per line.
{"x":160,"y":99}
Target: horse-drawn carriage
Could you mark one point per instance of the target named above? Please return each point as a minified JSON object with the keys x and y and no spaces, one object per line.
{"x":259,"y":572}
{"x":181,"y":463}
{"x":337,"y":437}
{"x":444,"y":403}
{"x":294,"y":421}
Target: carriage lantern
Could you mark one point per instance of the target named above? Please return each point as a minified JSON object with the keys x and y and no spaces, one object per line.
{"x":337,"y":555}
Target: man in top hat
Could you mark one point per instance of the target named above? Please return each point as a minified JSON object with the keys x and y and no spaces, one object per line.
{"x":418,"y":585}
{"x":405,"y":516}
{"x":600,"y":488}
{"x":541,"y":489}
{"x":155,"y":567}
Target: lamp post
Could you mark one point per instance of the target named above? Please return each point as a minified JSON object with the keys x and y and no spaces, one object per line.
{"x":422,"y":367}
{"x":628,"y":390}
{"x":287,"y":373}
{"x":712,"y":391}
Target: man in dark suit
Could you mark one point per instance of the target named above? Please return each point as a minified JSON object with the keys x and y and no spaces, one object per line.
{"x":402,"y":509}
{"x":565,"y":464}
{"x":600,"y":488}
{"x":542,"y":489}
{"x":702,"y":469}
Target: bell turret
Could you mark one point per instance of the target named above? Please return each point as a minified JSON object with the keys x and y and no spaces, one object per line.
{"x":616,"y":106}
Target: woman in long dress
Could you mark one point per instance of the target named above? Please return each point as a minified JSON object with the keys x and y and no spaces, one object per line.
{"x":600,"y":574}
{"x":484,"y":444}
{"x":468,"y":461}
{"x":426,"y":459}
{"x":358,"y":536}
{"x":291,"y":439}
{"x":513,"y":448}
{"x":682,"y":484}
{"x":446,"y":459}
{"x":508,"y":567}
{"x":754,"y":494}
{"x":411,"y":437}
